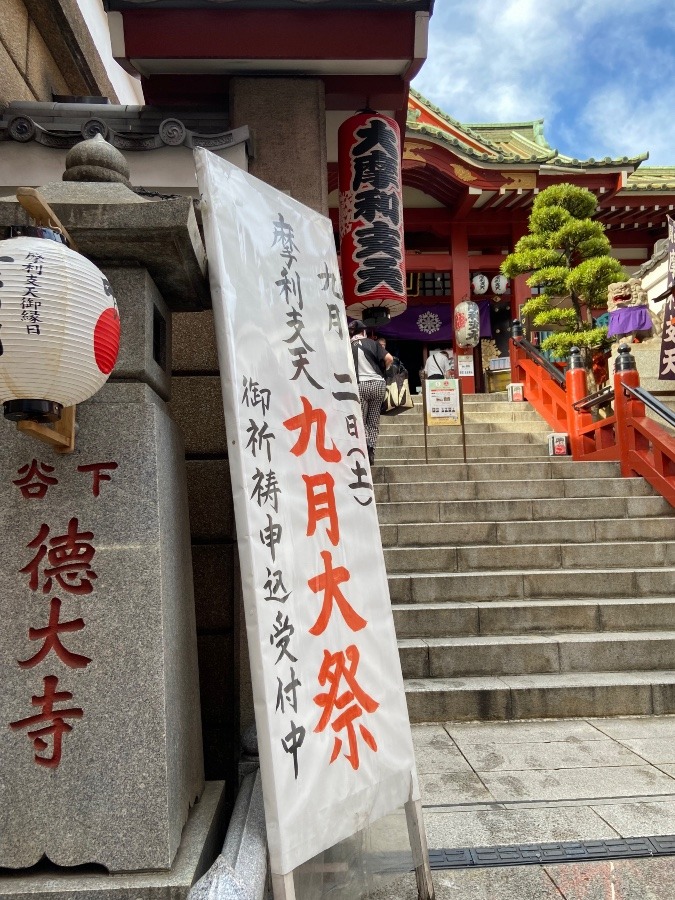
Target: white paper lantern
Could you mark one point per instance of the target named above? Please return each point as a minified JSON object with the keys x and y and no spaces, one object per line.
{"x":59,"y":328}
{"x":499,"y":284}
{"x":480,"y":283}
{"x":467,"y":324}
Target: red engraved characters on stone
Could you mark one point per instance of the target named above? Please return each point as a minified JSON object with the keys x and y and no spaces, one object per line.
{"x":68,"y":557}
{"x":55,"y":722}
{"x":51,"y":640}
{"x":100,"y":473}
{"x":321,"y":505}
{"x":35,"y":480}
{"x":348,"y":704}
{"x":329,"y":582}
{"x":303,"y":422}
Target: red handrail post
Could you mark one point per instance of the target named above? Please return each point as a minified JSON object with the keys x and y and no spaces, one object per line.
{"x":515,"y":353}
{"x":576,"y":384}
{"x":626,"y":407}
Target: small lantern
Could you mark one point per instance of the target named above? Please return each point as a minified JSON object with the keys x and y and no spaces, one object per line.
{"x":59,"y":327}
{"x":371,"y":218}
{"x":467,"y":324}
{"x":499,"y":284}
{"x":480,"y":283}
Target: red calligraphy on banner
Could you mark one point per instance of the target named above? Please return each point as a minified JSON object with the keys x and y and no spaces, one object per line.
{"x":56,"y":725}
{"x":337,"y":668}
{"x":35,"y":480}
{"x":51,"y":640}
{"x":321,"y":505}
{"x":303,"y":423}
{"x":69,"y":557}
{"x":329,"y":582}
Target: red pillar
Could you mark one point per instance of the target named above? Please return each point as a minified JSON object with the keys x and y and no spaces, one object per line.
{"x":520,"y":292}
{"x":461,"y":290}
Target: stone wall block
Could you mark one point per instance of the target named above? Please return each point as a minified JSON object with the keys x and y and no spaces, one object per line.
{"x":42,"y":72}
{"x":213,"y":575}
{"x":216,"y":682}
{"x":13,"y":82}
{"x":210,"y":499}
{"x":194,"y":343}
{"x":197,"y":408}
{"x":14,"y":32}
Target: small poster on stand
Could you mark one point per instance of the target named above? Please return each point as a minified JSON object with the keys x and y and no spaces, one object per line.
{"x":443,"y":402}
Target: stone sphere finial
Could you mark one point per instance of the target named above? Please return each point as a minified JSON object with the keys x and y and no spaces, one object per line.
{"x":96,"y":160}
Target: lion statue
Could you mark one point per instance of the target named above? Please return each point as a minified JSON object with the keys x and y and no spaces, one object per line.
{"x":630,"y":318}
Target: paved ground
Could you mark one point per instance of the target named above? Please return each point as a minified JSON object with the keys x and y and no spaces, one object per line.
{"x":556,"y":780}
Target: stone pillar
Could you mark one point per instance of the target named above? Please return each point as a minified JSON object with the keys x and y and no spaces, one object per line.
{"x":114,"y":786}
{"x":287,"y":121}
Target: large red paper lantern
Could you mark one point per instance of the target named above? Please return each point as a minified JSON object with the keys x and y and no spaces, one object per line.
{"x":371,"y":218}
{"x":59,"y":328}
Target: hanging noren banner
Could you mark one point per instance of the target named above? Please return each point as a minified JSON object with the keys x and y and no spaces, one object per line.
{"x":667,"y":355}
{"x":333,"y":731}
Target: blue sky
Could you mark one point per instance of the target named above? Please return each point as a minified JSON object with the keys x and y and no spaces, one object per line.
{"x":601,"y":73}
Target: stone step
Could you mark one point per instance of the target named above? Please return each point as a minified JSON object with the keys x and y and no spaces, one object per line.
{"x":398,"y":425}
{"x":540,"y":654}
{"x":552,"y":467}
{"x":521,"y":556}
{"x":499,"y":415}
{"x":434,"y":439}
{"x":426,"y":620}
{"x":522,"y":510}
{"x":579,"y":531}
{"x":386,"y":455}
{"x":535,"y":584}
{"x":513,"y":490}
{"x":582,"y":694}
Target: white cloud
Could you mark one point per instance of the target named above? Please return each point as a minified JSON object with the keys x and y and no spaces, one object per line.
{"x":598,"y":71}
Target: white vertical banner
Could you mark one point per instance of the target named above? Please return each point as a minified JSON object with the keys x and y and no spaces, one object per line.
{"x":333,"y":731}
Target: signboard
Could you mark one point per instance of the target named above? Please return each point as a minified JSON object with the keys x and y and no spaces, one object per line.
{"x":443,"y":401}
{"x":667,"y":356}
{"x":333,"y":733}
{"x":464,"y":366}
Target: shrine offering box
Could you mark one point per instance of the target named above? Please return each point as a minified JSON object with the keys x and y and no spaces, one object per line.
{"x":558,"y":444}
{"x":515,"y":392}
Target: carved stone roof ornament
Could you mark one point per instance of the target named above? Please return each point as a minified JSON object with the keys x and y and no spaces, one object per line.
{"x":96,"y":160}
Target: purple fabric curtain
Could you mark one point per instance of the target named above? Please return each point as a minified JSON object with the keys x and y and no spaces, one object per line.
{"x":631,"y":318}
{"x":431,"y":323}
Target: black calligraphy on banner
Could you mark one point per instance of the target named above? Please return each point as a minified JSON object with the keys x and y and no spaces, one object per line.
{"x":266,"y":493}
{"x":667,"y":356}
{"x":377,"y":206}
{"x":31,"y":300}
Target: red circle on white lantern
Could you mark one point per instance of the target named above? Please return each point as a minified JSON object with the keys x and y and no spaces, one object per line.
{"x":107,"y":340}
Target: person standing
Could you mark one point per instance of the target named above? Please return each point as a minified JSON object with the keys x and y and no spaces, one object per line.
{"x":371,"y":361}
{"x":440,"y":364}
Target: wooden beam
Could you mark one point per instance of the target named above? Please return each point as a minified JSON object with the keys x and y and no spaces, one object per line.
{"x":60,"y":436}
{"x":38,"y":209}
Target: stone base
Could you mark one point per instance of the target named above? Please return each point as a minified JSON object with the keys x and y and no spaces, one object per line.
{"x":201,"y":841}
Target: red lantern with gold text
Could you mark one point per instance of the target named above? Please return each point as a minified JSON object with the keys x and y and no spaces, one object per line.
{"x":371,"y":218}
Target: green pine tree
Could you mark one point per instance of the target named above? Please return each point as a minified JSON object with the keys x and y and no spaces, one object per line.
{"x":565,"y":253}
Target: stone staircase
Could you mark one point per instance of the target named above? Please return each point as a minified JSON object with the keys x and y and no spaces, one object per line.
{"x":523,"y":586}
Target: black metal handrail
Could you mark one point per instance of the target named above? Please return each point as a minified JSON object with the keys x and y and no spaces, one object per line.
{"x":598,"y":399}
{"x":655,"y":405}
{"x":540,"y":360}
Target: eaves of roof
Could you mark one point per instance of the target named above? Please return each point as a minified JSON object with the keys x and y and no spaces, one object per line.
{"x":651,"y":178}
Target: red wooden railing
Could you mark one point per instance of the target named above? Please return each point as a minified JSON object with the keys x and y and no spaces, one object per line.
{"x":638,"y":443}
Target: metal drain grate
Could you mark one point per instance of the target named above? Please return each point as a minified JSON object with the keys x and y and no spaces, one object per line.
{"x":554,"y":852}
